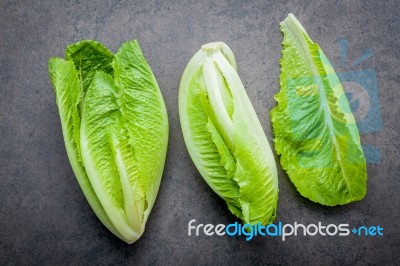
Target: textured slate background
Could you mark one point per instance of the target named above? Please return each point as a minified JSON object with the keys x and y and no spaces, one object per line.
{"x":44,"y":218}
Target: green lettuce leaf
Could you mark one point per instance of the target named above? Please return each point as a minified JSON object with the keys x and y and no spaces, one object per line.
{"x":115,"y":130}
{"x":315,"y":131}
{"x":65,"y":83}
{"x":224,"y":137}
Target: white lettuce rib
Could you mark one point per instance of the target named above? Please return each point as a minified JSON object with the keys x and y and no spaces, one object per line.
{"x":215,"y":98}
{"x":117,"y":219}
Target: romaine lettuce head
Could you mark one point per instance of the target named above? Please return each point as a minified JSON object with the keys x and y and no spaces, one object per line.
{"x":115,"y":129}
{"x":224,"y":137}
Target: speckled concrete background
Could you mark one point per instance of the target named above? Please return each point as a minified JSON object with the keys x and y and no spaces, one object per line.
{"x":44,"y":218}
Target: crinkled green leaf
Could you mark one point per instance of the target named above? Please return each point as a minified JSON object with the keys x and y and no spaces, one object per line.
{"x":68,"y":95}
{"x":145,"y":115}
{"x":315,"y":131}
{"x":119,"y":129}
{"x":88,"y":57}
{"x":224,"y":137}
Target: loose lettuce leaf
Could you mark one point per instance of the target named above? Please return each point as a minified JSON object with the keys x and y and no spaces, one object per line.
{"x":224,"y":137}
{"x":112,"y":112}
{"x":315,"y":131}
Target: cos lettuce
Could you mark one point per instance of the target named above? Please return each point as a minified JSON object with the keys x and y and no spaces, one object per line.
{"x":115,"y":129}
{"x":315,"y":131}
{"x":224,"y":137}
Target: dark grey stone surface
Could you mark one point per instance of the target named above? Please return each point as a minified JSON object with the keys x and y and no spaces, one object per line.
{"x":44,"y":217}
